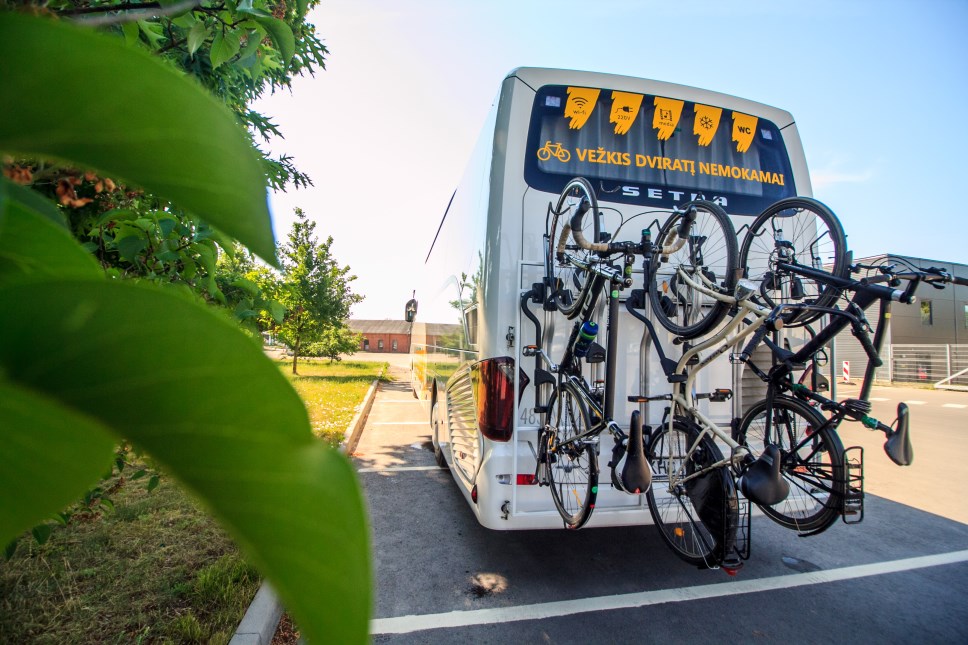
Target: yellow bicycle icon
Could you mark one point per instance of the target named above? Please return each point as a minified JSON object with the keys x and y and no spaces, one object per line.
{"x":545,"y":153}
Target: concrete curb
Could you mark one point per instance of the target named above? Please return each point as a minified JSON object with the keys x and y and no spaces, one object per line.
{"x":352,"y":435}
{"x":261,"y":619}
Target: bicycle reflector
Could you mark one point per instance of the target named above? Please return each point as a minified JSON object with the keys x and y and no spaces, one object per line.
{"x":493,"y":381}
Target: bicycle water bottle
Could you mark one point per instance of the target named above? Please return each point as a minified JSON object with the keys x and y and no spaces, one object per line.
{"x":586,"y":334}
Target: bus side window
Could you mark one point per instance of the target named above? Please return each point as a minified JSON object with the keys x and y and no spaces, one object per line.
{"x":470,"y":319}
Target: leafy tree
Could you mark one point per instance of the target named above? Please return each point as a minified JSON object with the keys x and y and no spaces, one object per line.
{"x":87,"y":362}
{"x":334,"y":342}
{"x":315,"y":290}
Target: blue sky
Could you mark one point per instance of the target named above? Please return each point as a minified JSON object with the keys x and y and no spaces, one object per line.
{"x":877,"y":89}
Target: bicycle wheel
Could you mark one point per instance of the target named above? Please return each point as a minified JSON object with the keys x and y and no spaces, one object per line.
{"x":710,"y":252}
{"x":573,"y":466}
{"x":812,"y":462}
{"x":568,"y":281}
{"x":697,"y":518}
{"x":796,"y":230}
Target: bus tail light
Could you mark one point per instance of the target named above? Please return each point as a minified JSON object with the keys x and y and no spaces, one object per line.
{"x":493,"y":380}
{"x":520,"y":480}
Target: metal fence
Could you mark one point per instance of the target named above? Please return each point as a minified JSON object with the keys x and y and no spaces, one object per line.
{"x":943,"y":366}
{"x":938,"y":365}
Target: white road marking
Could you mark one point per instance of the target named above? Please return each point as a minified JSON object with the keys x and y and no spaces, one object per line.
{"x":879,"y":398}
{"x":397,"y":469}
{"x":915,"y":402}
{"x":959,"y":406}
{"x":408,"y":624}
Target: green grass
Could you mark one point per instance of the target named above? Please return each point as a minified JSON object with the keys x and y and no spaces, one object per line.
{"x":158,"y":569}
{"x":332,"y":391}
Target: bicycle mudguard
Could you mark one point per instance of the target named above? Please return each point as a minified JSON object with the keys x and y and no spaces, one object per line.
{"x":636,"y":474}
{"x":762,"y":483}
{"x":898,"y":446}
{"x":714,"y":498}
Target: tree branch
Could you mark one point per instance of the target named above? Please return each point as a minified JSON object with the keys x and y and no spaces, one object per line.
{"x":130,"y":12}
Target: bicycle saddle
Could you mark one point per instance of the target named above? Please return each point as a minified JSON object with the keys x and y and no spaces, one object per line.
{"x":636,"y":474}
{"x":898,"y":445}
{"x":762,"y":482}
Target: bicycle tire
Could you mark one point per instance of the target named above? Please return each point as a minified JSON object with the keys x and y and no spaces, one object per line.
{"x":710,"y":250}
{"x":573,"y":467}
{"x":812,"y":463}
{"x":568,"y":282}
{"x":697,"y":519}
{"x":817,"y":240}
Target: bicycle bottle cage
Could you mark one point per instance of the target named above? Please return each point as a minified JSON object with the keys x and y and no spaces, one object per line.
{"x":596,"y":354}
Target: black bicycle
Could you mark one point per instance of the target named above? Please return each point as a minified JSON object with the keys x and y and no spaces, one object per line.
{"x":827,"y":480}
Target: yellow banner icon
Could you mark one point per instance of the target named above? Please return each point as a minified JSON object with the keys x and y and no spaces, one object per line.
{"x":666,"y":118}
{"x":744,"y":127}
{"x":706,"y":123}
{"x":581,"y":103}
{"x":625,"y":107}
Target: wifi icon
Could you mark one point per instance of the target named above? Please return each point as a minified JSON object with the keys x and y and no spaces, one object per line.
{"x":580,"y":102}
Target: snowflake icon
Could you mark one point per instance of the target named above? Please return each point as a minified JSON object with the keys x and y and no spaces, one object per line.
{"x":706,"y":122}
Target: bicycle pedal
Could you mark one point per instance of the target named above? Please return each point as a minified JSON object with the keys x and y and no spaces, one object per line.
{"x":857,"y":406}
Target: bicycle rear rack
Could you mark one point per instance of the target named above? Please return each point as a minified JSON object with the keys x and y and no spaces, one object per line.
{"x":852,"y":511}
{"x":744,"y":528}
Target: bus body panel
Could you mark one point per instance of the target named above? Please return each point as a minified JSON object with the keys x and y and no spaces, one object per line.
{"x":487,"y":252}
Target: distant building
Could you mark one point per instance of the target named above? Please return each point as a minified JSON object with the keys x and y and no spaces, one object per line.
{"x":939,"y":316}
{"x":393,"y":336}
{"x":923,"y":342}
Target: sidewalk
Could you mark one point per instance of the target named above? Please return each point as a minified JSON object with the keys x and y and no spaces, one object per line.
{"x":397,"y":431}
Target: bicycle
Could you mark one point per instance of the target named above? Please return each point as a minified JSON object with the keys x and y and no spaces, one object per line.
{"x":698,"y":476}
{"x":813,"y":460}
{"x":557,"y":151}
{"x":577,"y":414}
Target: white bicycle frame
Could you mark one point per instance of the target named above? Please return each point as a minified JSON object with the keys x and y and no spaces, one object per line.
{"x":681,"y":396}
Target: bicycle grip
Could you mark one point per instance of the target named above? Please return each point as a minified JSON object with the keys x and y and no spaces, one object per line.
{"x":685,"y":224}
{"x":576,"y":234}
{"x":757,"y":338}
{"x":866,"y":343}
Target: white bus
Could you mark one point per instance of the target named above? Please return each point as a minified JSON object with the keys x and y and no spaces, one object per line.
{"x":645,"y":146}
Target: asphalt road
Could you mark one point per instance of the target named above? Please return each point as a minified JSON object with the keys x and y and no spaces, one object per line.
{"x":899,"y":576}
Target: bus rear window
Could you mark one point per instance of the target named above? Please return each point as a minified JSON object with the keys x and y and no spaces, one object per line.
{"x":655,"y":150}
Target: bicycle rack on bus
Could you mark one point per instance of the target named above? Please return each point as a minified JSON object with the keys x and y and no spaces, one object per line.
{"x":537,"y":295}
{"x":853,"y":506}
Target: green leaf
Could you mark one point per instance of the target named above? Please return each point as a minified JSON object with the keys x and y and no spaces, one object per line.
{"x":253,"y":40}
{"x":197,"y":36}
{"x":153,"y":483}
{"x":51,"y":453}
{"x":30,"y":199}
{"x":180,"y":142}
{"x":41,"y":533}
{"x":154,"y":32}
{"x":188,"y":387}
{"x":281,"y":35}
{"x":277,"y":311}
{"x":225,"y":45}
{"x":247,"y":285}
{"x":131,"y":241}
{"x":246,"y":7}
{"x":131,"y":33}
{"x":32,"y":246}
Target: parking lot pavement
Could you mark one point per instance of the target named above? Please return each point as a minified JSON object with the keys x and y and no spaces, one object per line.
{"x":937,"y":479}
{"x":900,"y":575}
